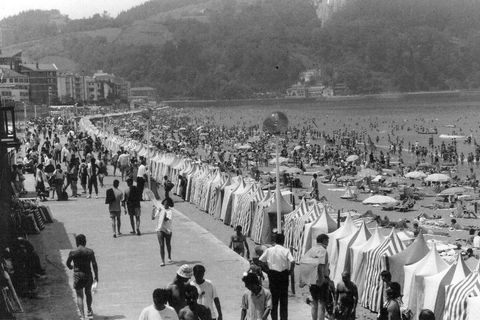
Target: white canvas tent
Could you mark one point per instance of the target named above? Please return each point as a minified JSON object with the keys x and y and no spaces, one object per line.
{"x":431,"y":264}
{"x":347,"y":229}
{"x":344,"y":262}
{"x":412,"y":254}
{"x":323,"y":224}
{"x":357,"y":258}
{"x":435,"y":285}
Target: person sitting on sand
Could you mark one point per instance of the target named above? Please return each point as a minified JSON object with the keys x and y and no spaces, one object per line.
{"x":455,"y":225}
{"x":417,"y":230}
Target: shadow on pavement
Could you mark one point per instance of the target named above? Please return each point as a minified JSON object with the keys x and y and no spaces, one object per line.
{"x":99,"y":317}
{"x":182,"y":262}
{"x":55,"y":298}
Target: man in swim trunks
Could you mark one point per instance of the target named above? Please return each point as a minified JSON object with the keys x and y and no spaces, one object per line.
{"x":238,"y":242}
{"x":82,"y":258}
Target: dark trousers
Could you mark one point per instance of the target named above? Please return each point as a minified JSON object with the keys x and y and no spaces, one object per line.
{"x":279,"y":289}
{"x":92,"y":182}
{"x":140,"y":184}
{"x":164,"y":239}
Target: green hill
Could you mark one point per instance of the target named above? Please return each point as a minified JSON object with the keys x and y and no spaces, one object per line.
{"x":237,"y":48}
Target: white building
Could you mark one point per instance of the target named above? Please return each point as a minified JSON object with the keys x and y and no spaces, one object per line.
{"x":13,"y":85}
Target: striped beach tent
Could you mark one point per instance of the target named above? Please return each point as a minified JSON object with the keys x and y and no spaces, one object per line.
{"x":346,"y":229}
{"x":457,"y":296}
{"x":375,"y":262}
{"x":244,"y":187}
{"x":358,"y":258}
{"x":322,"y":224}
{"x":412,"y":254}
{"x":258,"y":213}
{"x":241,"y":201}
{"x":413,"y":287}
{"x":220,"y":194}
{"x":344,"y":262}
{"x":215,"y":183}
{"x":435,"y":286}
{"x":302,"y":228}
{"x":227,"y":197}
{"x":291,"y":221}
{"x":266,"y":218}
{"x":190,"y":174}
{"x":205,"y":198}
{"x":248,"y":209}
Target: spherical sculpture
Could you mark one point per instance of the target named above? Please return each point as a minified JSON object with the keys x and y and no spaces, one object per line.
{"x":276,"y":123}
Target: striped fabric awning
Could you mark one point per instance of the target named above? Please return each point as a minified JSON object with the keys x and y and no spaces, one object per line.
{"x":372,"y":295}
{"x":457,"y":295}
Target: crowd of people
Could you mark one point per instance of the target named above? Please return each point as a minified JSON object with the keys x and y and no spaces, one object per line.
{"x":59,"y":166}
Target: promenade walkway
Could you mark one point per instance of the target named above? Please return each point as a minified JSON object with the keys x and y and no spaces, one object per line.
{"x":129,"y":266}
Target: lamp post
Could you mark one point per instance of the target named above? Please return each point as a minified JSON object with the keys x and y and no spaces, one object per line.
{"x":148,"y":117}
{"x":276,"y":124}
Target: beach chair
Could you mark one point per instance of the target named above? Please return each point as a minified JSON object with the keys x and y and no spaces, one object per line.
{"x":389,"y":207}
{"x":405,"y":206}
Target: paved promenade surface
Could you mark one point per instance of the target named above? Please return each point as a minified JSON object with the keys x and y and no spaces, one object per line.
{"x":129,"y":266}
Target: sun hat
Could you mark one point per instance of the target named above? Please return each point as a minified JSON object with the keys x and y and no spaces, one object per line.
{"x":185,"y":271}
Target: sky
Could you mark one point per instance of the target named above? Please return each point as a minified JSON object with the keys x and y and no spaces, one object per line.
{"x":75,"y":9}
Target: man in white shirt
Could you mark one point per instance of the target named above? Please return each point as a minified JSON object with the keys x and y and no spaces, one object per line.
{"x":123,"y":161}
{"x":476,"y":241}
{"x":159,"y":310}
{"x":318,"y":278}
{"x":65,"y":154}
{"x":207,"y":294}
{"x":164,"y":228}
{"x":142,"y":175}
{"x":280,"y":263}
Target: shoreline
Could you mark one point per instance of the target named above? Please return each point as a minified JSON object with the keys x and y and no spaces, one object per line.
{"x":399,"y":97}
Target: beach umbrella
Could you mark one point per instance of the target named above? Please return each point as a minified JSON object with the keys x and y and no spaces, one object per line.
{"x":298,"y":148}
{"x":280,"y":160}
{"x":437,"y":177}
{"x":367,"y":173}
{"x":397,"y":180}
{"x":416,"y":175}
{"x":453,"y":190}
{"x":352,"y":158}
{"x":379,"y":199}
{"x":244,"y":147}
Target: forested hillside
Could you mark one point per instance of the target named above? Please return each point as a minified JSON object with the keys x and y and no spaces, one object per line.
{"x":232,"y":48}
